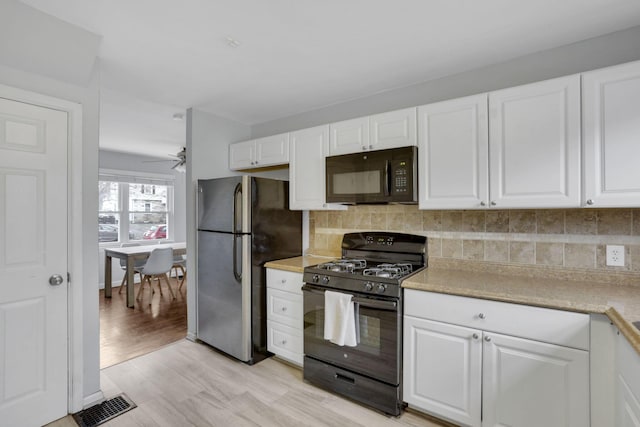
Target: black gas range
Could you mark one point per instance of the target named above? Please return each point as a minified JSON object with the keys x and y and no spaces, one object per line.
{"x":371,"y":270}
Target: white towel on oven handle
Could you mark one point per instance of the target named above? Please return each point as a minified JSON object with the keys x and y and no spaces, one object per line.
{"x":340,"y":319}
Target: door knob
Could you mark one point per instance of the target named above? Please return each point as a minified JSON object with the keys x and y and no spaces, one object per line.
{"x":56,"y":280}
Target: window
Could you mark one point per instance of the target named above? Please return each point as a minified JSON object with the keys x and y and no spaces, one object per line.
{"x":133,"y":210}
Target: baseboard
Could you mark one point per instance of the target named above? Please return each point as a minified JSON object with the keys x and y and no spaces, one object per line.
{"x":114,"y":285}
{"x":92,"y":399}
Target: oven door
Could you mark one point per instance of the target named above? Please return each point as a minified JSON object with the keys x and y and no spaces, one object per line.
{"x":377,"y":354}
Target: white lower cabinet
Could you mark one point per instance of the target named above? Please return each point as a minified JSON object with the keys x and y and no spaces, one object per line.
{"x":528,"y":383}
{"x":461,"y":371}
{"x":284,"y":315}
{"x":443,"y":369}
{"x":627,"y":384}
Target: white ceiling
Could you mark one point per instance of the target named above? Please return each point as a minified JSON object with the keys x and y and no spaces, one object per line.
{"x":300,"y":55}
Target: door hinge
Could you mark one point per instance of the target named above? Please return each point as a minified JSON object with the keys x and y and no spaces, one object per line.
{"x":68,"y":277}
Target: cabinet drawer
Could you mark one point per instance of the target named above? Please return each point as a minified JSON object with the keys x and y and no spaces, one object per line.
{"x":285,"y":308}
{"x":541,"y":324}
{"x":285,"y":342}
{"x":284,"y":280}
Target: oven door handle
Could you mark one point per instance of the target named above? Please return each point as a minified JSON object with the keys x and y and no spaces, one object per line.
{"x":376,"y":303}
{"x":364,"y":302}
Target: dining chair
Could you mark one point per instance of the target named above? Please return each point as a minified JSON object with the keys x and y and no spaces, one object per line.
{"x":137,"y":264}
{"x":180,"y":263}
{"x":158,"y":264}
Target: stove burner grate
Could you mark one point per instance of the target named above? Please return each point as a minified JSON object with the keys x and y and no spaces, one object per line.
{"x":344,"y":265}
{"x":393,"y":271}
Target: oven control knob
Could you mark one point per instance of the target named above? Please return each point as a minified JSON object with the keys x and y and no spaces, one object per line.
{"x":368,"y":286}
{"x":315,"y":278}
{"x":325,"y":280}
{"x":381,"y":288}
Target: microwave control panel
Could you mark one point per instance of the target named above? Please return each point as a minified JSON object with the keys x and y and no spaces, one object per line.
{"x":401,"y":177}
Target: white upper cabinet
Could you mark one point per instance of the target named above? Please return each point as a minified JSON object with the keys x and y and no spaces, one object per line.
{"x":242,"y":155}
{"x":452,"y":154}
{"x":524,"y":152}
{"x":534,"y":145}
{"x":611,"y":120}
{"x":349,"y":136}
{"x":377,"y":132}
{"x":262,"y":152}
{"x":307,"y":169}
{"x":393,"y":129}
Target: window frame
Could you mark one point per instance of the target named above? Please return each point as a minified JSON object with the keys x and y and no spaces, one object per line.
{"x":123,"y":179}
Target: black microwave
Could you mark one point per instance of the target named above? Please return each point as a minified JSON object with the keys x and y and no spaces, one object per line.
{"x":382,"y":176}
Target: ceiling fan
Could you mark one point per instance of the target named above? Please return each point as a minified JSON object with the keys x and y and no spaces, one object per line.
{"x":180,"y":160}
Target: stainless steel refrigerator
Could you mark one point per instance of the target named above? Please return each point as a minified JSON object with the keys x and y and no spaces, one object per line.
{"x":243,"y":222}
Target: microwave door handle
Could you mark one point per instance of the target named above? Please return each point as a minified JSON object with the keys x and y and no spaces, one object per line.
{"x":387,"y":178}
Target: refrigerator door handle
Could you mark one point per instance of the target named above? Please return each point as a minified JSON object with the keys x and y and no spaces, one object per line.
{"x":237,"y":192}
{"x":236,"y":274}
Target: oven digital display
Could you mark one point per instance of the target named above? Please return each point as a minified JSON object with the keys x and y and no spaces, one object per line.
{"x":380,"y":240}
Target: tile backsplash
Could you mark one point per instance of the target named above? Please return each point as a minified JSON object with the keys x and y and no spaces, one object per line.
{"x":559,"y":238}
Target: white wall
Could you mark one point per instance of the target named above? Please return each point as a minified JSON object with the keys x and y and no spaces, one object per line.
{"x":138,"y":163}
{"x":611,"y":49}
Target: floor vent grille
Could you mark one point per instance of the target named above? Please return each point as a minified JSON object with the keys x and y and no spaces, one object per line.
{"x":103,"y":412}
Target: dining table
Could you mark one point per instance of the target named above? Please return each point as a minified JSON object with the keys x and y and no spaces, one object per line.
{"x":131,"y":254}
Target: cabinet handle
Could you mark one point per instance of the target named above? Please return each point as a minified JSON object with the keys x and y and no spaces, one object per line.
{"x":284,"y":342}
{"x":487,"y":338}
{"x":284,"y":280}
{"x":483,"y":204}
{"x":364,"y":147}
{"x":493,"y":203}
{"x":589,"y":201}
{"x":481,"y":316}
{"x":284,"y":308}
{"x":475,"y":336}
{"x":371,"y":146}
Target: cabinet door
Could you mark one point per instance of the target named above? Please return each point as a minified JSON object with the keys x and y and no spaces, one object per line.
{"x":534,"y":145}
{"x":242,"y":155}
{"x":349,"y":136}
{"x":611,"y":119}
{"x":531,"y":384}
{"x":627,"y":384}
{"x":393,"y":129}
{"x":272,"y":150}
{"x":307,"y":169}
{"x":442,"y":370}
{"x":453,"y":154}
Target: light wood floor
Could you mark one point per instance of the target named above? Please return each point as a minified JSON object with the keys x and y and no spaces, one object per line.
{"x":189,"y":384}
{"x":156,"y":320}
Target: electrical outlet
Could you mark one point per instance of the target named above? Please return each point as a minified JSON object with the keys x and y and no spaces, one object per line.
{"x":615,"y":255}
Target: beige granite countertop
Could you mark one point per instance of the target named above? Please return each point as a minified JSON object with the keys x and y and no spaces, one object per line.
{"x":615,"y":295}
{"x":298,"y":263}
{"x":619,"y":301}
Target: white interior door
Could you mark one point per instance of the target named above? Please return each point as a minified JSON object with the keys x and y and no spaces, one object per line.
{"x":33,"y":248}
